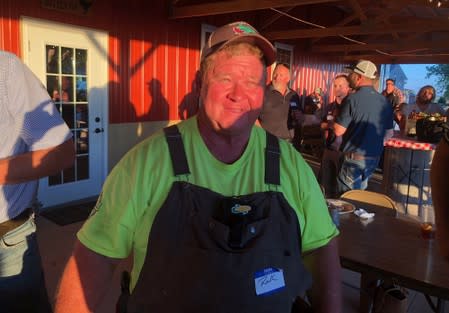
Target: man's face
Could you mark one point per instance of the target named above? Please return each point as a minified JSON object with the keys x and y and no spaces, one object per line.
{"x":232,"y":93}
{"x":390,"y":86}
{"x":341,"y":87}
{"x":281,"y":76}
{"x":426,"y":96}
{"x":354,"y":80}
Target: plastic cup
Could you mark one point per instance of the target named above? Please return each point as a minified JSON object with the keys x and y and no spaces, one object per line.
{"x":428,"y":227}
{"x":427,"y":230}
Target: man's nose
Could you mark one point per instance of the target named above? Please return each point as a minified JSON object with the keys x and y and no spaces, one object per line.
{"x":237,"y":92}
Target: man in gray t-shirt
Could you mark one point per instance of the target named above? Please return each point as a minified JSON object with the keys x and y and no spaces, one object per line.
{"x":365,"y":119}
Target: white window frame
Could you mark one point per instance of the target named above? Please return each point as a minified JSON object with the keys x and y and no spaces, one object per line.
{"x":205,"y":28}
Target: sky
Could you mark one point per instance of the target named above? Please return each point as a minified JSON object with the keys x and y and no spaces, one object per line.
{"x":416,"y":77}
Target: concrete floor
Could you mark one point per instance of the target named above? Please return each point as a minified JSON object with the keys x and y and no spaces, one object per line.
{"x":56,"y":245}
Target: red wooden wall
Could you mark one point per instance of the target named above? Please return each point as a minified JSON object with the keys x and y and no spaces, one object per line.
{"x":152,"y":60}
{"x":309,"y":73}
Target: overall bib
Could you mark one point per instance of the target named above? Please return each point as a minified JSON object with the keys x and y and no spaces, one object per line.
{"x":210,"y":253}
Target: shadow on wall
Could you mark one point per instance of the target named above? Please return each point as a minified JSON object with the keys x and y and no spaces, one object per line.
{"x":190,"y":103}
{"x":124,"y":136}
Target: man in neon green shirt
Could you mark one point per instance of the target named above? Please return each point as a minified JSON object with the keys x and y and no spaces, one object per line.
{"x":219,"y":215}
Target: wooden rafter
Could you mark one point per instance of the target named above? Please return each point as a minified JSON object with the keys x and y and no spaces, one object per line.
{"x":390,"y":46}
{"x":368,"y":29}
{"x":358,"y":10}
{"x":274,"y":18}
{"x":384,"y":31}
{"x":223,"y":7}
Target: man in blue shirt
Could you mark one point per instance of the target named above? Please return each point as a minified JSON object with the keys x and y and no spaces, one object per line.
{"x":366,"y":118}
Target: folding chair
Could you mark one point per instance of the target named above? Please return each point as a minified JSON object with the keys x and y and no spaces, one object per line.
{"x":371,"y":198}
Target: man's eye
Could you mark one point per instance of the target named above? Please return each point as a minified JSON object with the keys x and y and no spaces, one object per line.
{"x":252,"y":84}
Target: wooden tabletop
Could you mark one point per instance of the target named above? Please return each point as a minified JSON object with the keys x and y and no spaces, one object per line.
{"x":390,"y":246}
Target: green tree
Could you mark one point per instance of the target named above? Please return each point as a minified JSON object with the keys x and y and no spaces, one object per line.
{"x":441,"y":72}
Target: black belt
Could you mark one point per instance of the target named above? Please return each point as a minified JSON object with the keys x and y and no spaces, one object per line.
{"x":358,"y":157}
{"x":15,"y":222}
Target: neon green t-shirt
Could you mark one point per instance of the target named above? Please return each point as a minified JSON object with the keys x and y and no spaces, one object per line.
{"x":139,"y":184}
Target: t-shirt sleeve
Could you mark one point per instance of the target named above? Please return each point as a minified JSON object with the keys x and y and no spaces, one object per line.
{"x":41,"y":123}
{"x":318,"y":228}
{"x":109,"y":229}
{"x":344,"y":117}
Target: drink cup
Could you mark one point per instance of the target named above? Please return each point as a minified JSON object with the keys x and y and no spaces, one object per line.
{"x":428,"y":227}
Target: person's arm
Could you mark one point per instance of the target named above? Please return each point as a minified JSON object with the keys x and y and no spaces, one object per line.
{"x":324,"y":264}
{"x":338,"y":129}
{"x":85,"y":280}
{"x":36,"y":164}
{"x":439,"y":173}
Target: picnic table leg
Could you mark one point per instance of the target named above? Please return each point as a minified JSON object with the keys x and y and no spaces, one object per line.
{"x":368,"y":284}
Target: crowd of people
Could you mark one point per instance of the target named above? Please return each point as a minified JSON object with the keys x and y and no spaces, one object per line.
{"x":225,"y":209}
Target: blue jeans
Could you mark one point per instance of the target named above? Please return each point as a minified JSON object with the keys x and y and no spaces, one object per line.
{"x":354,"y":174}
{"x":22,"y":284}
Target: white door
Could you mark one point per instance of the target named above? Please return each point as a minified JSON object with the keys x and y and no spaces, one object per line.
{"x":72,"y":63}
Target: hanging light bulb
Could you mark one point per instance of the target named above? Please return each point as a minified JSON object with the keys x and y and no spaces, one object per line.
{"x":439,"y":4}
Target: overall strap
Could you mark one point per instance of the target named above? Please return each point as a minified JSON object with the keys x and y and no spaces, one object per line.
{"x":177,"y":152}
{"x":272,"y":160}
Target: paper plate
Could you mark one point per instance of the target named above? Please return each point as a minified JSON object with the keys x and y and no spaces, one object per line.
{"x":343,"y":207}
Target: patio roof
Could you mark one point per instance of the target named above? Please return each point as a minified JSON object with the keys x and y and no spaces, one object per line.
{"x":384,"y":31}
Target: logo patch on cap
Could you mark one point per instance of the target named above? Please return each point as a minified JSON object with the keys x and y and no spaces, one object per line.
{"x":243,"y":29}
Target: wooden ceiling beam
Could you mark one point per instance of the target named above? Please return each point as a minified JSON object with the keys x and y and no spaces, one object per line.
{"x":358,"y":10}
{"x":274,"y":18}
{"x":383,"y":59}
{"x":348,"y":19}
{"x":367,"y":29}
{"x":397,"y":46}
{"x":223,"y":7}
{"x":391,"y":46}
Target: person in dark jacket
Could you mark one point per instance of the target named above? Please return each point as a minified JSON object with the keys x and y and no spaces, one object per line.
{"x":281,"y":108}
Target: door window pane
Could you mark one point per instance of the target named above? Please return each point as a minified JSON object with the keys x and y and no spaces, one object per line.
{"x":52,"y":59}
{"x":81,"y":60}
{"x":66,"y":79}
{"x":67,"y":60}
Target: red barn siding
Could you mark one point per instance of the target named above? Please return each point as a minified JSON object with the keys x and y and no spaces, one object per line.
{"x":152,"y":60}
{"x":310,"y":73}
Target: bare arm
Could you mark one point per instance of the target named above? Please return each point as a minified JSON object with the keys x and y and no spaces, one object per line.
{"x":439,"y":174}
{"x":324,"y":264}
{"x":339,"y":130}
{"x":36,"y":164}
{"x":85,"y":280}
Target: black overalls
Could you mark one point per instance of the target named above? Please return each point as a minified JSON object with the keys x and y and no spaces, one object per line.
{"x":209,"y":253}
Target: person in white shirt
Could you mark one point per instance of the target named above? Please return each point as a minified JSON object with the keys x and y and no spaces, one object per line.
{"x":34,"y":142}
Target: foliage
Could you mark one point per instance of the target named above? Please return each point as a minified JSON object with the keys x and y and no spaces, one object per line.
{"x":442,"y":100}
{"x":441,"y":72}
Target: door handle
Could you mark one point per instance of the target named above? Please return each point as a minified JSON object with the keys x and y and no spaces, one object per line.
{"x":98,"y":130}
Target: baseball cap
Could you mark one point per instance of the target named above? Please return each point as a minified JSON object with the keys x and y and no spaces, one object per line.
{"x":365,"y":68}
{"x":238,"y":32}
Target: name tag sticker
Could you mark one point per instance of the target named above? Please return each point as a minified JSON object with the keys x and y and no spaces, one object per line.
{"x":269,"y":281}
